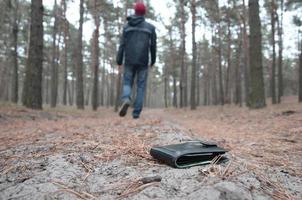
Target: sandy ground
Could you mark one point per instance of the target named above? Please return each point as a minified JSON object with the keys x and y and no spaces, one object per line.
{"x":67,"y":154}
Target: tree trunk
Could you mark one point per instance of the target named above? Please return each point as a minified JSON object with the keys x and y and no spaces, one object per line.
{"x":118,"y":90}
{"x":73,"y":84}
{"x":193,"y":78}
{"x":54,"y":88}
{"x":166,"y":85}
{"x":246,"y":58}
{"x":6,"y":96}
{"x":206,"y":86}
{"x":174,"y":92}
{"x":300,"y":73}
{"x":280,"y":59}
{"x":46,"y":79}
{"x":198,"y":78}
{"x":214,"y":88}
{"x":273,"y":75}
{"x":95,"y":61}
{"x":171,"y":70}
{"x":88,"y":89}
{"x":112,"y":81}
{"x":65,"y":81}
{"x":74,"y":60}
{"x":14,"y":54}
{"x":103,"y":83}
{"x":33,"y":78}
{"x":183,"y":75}
{"x":229,"y":63}
{"x":238,"y":92}
{"x":5,"y":57}
{"x":221,"y":92}
{"x":212,"y":74}
{"x":198,"y":86}
{"x":3,"y":81}
{"x":69,"y":92}
{"x":79,"y":89}
{"x":257,"y":97}
{"x":148,"y":94}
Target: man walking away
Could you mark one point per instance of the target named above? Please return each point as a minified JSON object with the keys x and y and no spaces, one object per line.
{"x":137,"y":42}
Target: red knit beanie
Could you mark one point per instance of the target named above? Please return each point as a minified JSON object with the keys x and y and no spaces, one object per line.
{"x":140,"y":9}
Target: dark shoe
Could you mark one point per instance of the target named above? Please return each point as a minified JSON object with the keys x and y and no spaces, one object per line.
{"x":124,"y":108}
{"x":135,"y":117}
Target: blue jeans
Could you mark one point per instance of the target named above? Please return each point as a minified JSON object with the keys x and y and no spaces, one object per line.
{"x":141,"y":73}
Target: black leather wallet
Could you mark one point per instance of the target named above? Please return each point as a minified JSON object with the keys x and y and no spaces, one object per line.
{"x":187,"y":154}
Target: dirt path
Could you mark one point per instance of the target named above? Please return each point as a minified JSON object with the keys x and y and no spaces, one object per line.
{"x":72,"y":155}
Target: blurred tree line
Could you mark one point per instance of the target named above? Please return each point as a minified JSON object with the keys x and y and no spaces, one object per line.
{"x":45,"y":60}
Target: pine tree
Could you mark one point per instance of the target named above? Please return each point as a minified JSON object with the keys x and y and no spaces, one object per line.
{"x":280,"y":56}
{"x":32,"y":92}
{"x":183,"y":74}
{"x":14,"y":52}
{"x":79,"y":64}
{"x":194,"y":49}
{"x":54,"y":61}
{"x":273,"y":74}
{"x":95,"y":57}
{"x":66,"y":27}
{"x":257,"y":96}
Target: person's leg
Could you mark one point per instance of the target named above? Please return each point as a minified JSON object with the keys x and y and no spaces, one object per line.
{"x":127,"y":87}
{"x":142,"y":75}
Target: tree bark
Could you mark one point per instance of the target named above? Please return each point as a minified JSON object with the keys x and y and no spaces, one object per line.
{"x":212,"y":73}
{"x":206,"y":85}
{"x":103,"y":83}
{"x":246,"y":58}
{"x":183,"y":75}
{"x":198,"y":78}
{"x":87,"y":90}
{"x":33,"y":78}
{"x":95,"y":102}
{"x":221,"y":92}
{"x":108,"y":89}
{"x":14,"y":54}
{"x":46,"y":89}
{"x":112,"y":86}
{"x":229,"y":62}
{"x":273,"y":73}
{"x":166,"y":85}
{"x":54,"y":86}
{"x":65,"y":81}
{"x":214,"y":88}
{"x":79,"y":88}
{"x":95,"y":61}
{"x":238,"y":90}
{"x":193,"y":76}
{"x":175,"y":105}
{"x":280,"y":57}
{"x":300,"y":73}
{"x":69,"y":92}
{"x":118,"y":90}
{"x":73,"y":76}
{"x":4,"y":39}
{"x":257,"y":97}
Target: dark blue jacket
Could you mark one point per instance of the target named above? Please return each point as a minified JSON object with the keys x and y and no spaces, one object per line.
{"x":137,"y":41}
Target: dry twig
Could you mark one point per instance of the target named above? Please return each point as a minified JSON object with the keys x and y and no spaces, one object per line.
{"x":82,"y":195}
{"x":136,"y":189}
{"x":275,"y":190}
{"x":7,"y":170}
